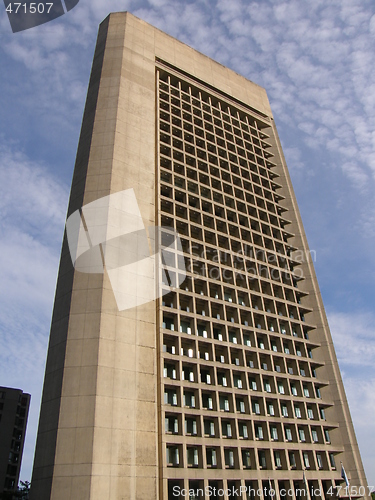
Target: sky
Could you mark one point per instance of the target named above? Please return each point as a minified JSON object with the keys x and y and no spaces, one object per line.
{"x":317,"y":63}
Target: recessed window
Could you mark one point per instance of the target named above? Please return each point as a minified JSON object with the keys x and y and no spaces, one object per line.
{"x":288,"y":434}
{"x":301,"y":434}
{"x":277,"y":459}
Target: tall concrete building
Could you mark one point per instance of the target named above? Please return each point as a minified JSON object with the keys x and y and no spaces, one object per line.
{"x":14,"y":412}
{"x":231,"y":379}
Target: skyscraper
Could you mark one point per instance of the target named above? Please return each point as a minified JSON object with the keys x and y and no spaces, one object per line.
{"x":229,"y":380}
{"x":14,"y":412}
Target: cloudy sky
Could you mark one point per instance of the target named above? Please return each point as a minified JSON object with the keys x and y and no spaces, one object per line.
{"x":317,"y":63}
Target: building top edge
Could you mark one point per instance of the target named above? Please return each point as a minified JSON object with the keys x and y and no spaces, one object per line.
{"x":215,"y":73}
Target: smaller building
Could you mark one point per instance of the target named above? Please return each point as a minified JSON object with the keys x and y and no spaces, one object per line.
{"x":14,"y":411}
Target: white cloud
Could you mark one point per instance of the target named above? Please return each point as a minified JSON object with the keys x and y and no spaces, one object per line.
{"x":354,"y":337}
{"x":32,"y":205}
{"x":361,"y":399}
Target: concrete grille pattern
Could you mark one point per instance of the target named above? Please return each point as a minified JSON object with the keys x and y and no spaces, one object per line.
{"x":240,"y":383}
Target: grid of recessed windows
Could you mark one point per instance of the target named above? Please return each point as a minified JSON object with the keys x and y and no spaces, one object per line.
{"x":237,"y":362}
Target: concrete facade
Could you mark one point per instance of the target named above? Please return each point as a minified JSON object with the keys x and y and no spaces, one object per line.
{"x":126,"y":409}
{"x":14,"y":412}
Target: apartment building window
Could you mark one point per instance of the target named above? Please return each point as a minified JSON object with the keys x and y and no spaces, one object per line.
{"x":237,"y":381}
{"x":288,"y":434}
{"x":226,"y":429}
{"x":332,"y":460}
{"x":184,"y":327}
{"x":253,"y":384}
{"x":168,"y":324}
{"x":229,"y":458}
{"x":267,"y":386}
{"x":306,"y":460}
{"x":274,"y":434}
{"x":237,"y":361}
{"x":293,"y":388}
{"x":171,"y":425}
{"x":327,"y":436}
{"x":189,"y":399}
{"x":207,"y":402}
{"x":246,"y":459}
{"x":286,"y":349}
{"x":173,"y":456}
{"x":319,"y":460}
{"x":209,"y":428}
{"x":322,"y":414}
{"x":233,"y":338}
{"x":244,"y":431}
{"x":271,"y":409}
{"x":223,"y":380}
{"x":190,"y":427}
{"x":205,"y":377}
{"x":256,"y":407}
{"x":314,"y":436}
{"x":277,"y":458}
{"x":306,"y":391}
{"x":310,"y":413}
{"x":241,"y":405}
{"x":211,"y":457}
{"x":192,"y":457}
{"x":297,"y":412}
{"x":292,"y":460}
{"x":302,"y":436}
{"x":170,"y":372}
{"x":280,"y":387}
{"x":224,"y":403}
{"x":284,"y":410}
{"x":259,"y":432}
{"x":170,"y":397}
{"x":262,"y":459}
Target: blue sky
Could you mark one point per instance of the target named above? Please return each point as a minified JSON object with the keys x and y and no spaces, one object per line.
{"x":317,"y":63}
